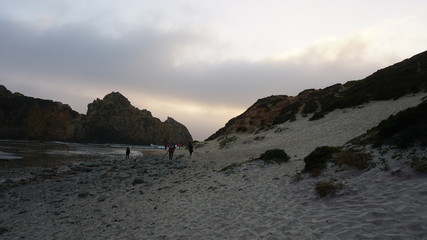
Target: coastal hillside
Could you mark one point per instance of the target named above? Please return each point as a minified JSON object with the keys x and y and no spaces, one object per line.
{"x":110,"y":120}
{"x":393,"y":82}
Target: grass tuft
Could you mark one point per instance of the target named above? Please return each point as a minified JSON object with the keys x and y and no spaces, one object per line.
{"x":359,"y":160}
{"x":328,"y":188}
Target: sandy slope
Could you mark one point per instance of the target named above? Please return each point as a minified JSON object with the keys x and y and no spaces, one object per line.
{"x":190,"y":199}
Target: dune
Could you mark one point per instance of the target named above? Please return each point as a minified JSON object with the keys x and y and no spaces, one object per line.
{"x":150,"y":197}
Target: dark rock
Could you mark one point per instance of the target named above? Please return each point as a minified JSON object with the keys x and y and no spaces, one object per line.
{"x":137,"y":181}
{"x":103,"y":197}
{"x":110,"y":120}
{"x":84,"y":194}
{"x":114,"y":119}
{"x":24,"y":117}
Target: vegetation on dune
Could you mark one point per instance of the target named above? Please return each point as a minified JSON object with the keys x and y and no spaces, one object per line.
{"x":225,"y":142}
{"x":402,"y":130}
{"x":330,"y":187}
{"x":316,"y":161}
{"x":230,"y":167}
{"x":198,"y":144}
{"x":420,"y":164}
{"x":274,"y":156}
{"x":270,"y":156}
{"x":287,"y":114}
{"x":393,"y":82}
{"x":355,"y":159}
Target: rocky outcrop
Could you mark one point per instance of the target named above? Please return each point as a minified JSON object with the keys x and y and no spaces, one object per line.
{"x":114,"y":119}
{"x":110,"y":120}
{"x":24,"y":117}
{"x":408,"y":76}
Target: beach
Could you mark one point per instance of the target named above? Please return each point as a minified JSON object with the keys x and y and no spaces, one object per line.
{"x":106,"y":196}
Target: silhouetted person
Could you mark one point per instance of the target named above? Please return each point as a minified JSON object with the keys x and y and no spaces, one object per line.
{"x":171,"y":150}
{"x":127,"y":152}
{"x":190,"y":148}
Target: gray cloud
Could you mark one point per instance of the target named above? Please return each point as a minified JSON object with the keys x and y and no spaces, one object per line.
{"x":79,"y":57}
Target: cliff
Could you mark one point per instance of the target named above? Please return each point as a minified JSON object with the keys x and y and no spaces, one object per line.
{"x":110,"y":120}
{"x":114,"y":119}
{"x":30,"y":118}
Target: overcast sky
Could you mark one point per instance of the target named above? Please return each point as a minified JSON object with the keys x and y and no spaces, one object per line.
{"x":200,"y":62}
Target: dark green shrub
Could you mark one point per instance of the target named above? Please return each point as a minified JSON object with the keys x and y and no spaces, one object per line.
{"x":317,"y":116}
{"x":274,"y":156}
{"x":310,"y":107}
{"x":230,"y":167}
{"x":420,"y":164}
{"x":359,"y":160}
{"x":316,"y":161}
{"x":403,"y":130}
{"x":199,"y":144}
{"x":287,"y":114}
{"x":242,"y":129}
{"x":259,"y":138}
{"x":325,"y":188}
{"x":227,"y":141}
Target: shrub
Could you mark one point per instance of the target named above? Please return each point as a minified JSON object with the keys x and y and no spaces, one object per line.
{"x":242,"y":129}
{"x":316,"y":161}
{"x":199,"y":144}
{"x":230,"y":167}
{"x":420,"y":164}
{"x":274,"y":156}
{"x":310,"y":107}
{"x":405,"y":129}
{"x":259,"y":138}
{"x":226,"y":141}
{"x":317,"y":116}
{"x":359,"y":160}
{"x":325,"y":188}
{"x":297,"y":177}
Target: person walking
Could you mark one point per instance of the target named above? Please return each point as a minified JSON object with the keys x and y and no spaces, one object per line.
{"x":190,"y":149}
{"x":127,"y":152}
{"x":171,"y":150}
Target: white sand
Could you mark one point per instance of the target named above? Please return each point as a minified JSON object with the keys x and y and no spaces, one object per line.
{"x":190,"y":199}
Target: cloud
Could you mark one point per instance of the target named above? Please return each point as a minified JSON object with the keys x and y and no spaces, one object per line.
{"x":183,"y":73}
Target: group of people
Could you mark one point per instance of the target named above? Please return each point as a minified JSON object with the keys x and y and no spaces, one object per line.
{"x":170,"y":149}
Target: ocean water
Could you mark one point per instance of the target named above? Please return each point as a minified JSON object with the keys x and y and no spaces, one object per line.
{"x":19,"y":158}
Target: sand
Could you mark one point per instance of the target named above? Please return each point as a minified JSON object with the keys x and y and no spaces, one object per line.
{"x":150,"y":197}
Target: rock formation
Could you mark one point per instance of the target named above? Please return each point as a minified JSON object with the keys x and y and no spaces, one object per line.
{"x":30,"y":118}
{"x":110,"y":120}
{"x":114,"y":119}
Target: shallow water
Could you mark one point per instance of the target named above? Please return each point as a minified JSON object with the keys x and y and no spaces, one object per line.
{"x":29,"y":155}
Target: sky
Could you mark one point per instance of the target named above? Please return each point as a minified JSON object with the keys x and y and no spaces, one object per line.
{"x":200,"y":62}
